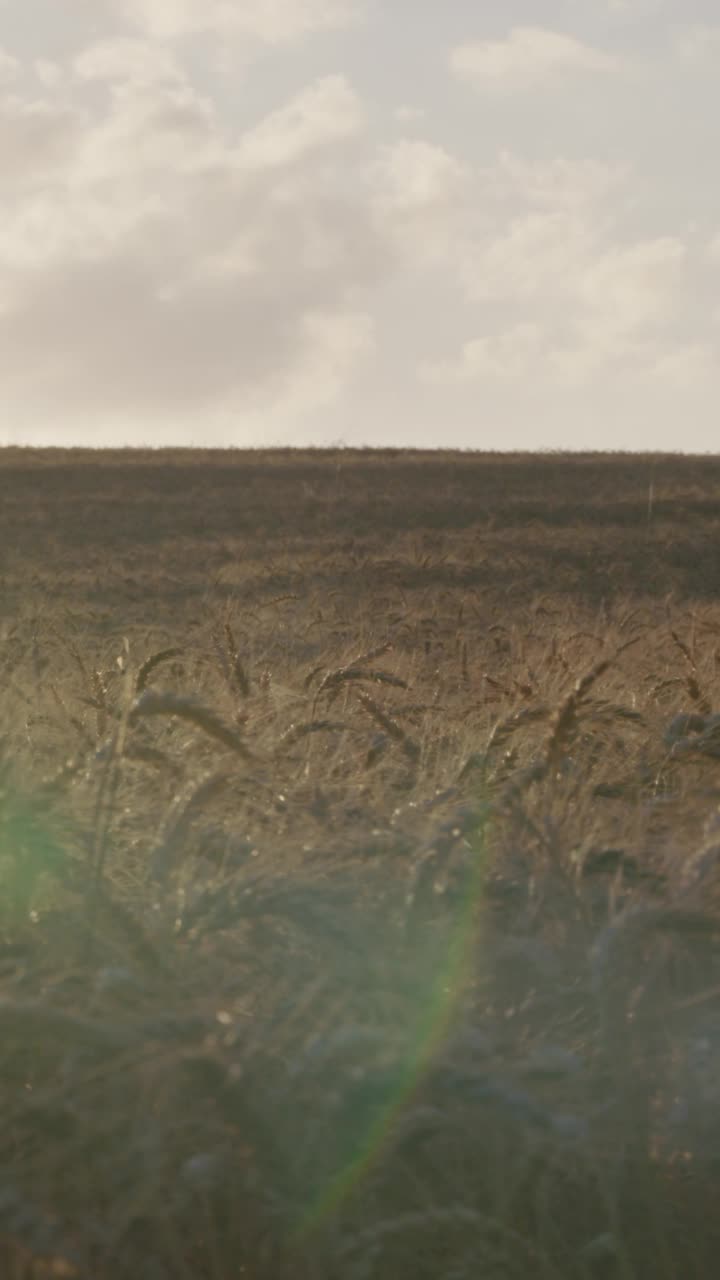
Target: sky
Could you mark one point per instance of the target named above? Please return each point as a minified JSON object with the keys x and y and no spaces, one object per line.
{"x":426,"y":223}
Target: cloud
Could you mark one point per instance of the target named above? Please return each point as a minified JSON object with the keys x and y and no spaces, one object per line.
{"x":631,"y":289}
{"x":556,"y":182}
{"x":168,"y":270}
{"x":537,"y":253}
{"x":125,"y":60}
{"x":713,"y":249}
{"x":527,"y":355}
{"x":698,"y":43}
{"x":414,"y":175}
{"x":593,"y":309}
{"x":50,"y":74}
{"x":635,"y":8}
{"x":406,"y":114}
{"x":528,"y":58}
{"x":686,"y":367}
{"x":585,"y":301}
{"x":188,"y":254}
{"x":325,"y":113}
{"x":503,"y":356}
{"x":9,"y":68}
{"x":418,"y":191}
{"x":36,"y":139}
{"x":270,"y":21}
{"x":541,"y":223}
{"x":334,"y":344}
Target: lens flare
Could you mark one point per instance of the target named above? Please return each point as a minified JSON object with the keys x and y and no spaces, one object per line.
{"x":429,"y":1033}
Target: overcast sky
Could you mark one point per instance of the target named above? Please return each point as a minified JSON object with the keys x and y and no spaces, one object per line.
{"x":413,"y":222}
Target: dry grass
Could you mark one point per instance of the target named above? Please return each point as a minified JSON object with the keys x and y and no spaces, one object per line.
{"x":360,"y":868}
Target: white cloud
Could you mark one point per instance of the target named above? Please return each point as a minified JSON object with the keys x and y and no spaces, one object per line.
{"x":526,"y":355}
{"x":630,"y":290}
{"x":127,"y":60}
{"x":698,"y":43}
{"x":9,"y":68}
{"x":556,"y":183}
{"x":635,"y":8}
{"x":504,"y":356}
{"x":686,"y":367}
{"x":529,"y":57}
{"x":563,"y":295}
{"x":272,"y":21}
{"x":713,"y":249}
{"x":325,"y":113}
{"x":335,"y":343}
{"x":611,"y":315}
{"x":50,"y":74}
{"x":172,"y":272}
{"x":182,"y":252}
{"x":406,"y":114}
{"x":537,"y":254}
{"x":36,"y":138}
{"x":152,"y":132}
{"x":412,"y":174}
{"x":418,"y":193}
{"x":587,"y":304}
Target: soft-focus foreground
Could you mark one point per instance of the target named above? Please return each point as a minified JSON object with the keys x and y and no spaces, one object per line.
{"x":359,"y":866}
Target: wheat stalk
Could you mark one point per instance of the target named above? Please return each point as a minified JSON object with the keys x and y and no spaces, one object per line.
{"x":685,"y":651}
{"x":178,"y":825}
{"x":369,"y":655}
{"x":238,"y":674}
{"x":391,"y":727}
{"x":151,"y":703}
{"x":151,"y":663}
{"x":297,"y":731}
{"x":332,"y":681}
{"x":504,"y":729}
{"x":567,"y":716}
{"x":343,"y":674}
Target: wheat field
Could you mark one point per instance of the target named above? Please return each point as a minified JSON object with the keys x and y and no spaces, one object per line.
{"x":360,"y":865}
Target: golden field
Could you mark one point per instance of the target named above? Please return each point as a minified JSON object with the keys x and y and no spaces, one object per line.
{"x":359,"y":865}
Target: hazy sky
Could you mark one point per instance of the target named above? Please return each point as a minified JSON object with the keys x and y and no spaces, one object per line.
{"x":414,"y":222}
